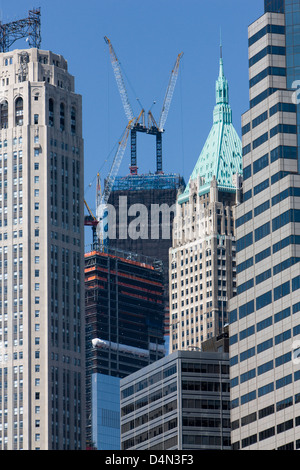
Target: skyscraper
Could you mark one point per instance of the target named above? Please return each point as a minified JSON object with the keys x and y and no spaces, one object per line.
{"x":125,"y":332}
{"x":264,"y":317}
{"x":202,"y":257}
{"x":42,"y":395}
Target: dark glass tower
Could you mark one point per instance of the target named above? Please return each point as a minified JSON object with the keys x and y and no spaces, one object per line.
{"x":274,"y":6}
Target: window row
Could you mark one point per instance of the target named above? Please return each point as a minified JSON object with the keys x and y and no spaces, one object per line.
{"x":19,"y":115}
{"x":62,"y":117}
{"x":278,"y":107}
{"x":262,"y":301}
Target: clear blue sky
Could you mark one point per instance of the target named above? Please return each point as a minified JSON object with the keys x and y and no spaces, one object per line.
{"x":147,"y":37}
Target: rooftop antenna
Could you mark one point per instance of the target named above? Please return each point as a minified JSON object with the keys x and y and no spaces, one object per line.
{"x":221,"y":47}
{"x":28,"y":28}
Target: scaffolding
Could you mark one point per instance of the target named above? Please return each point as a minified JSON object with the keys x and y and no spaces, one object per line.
{"x":148,"y":181}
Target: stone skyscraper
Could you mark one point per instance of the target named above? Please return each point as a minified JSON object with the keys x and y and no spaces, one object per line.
{"x":202,"y":257}
{"x":42,"y":395}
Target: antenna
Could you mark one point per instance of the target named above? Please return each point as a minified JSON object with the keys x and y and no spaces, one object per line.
{"x":28,"y":28}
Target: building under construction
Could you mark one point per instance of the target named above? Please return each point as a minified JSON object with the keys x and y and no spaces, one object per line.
{"x":157,"y":195}
{"x":152,"y":192}
{"x":124,"y":306}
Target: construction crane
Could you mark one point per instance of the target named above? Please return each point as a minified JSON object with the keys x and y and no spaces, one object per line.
{"x":29,"y":28}
{"x":91,"y":221}
{"x":169,"y":94}
{"x":139,"y":126}
{"x":99,"y":223}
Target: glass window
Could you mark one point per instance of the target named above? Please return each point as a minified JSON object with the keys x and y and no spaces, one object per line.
{"x":19,"y":111}
{"x":4,"y":115}
{"x":51,"y":113}
{"x":62,"y":117}
{"x":73,"y":120}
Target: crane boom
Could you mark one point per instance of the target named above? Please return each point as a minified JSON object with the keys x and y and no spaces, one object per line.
{"x":120,"y":82}
{"x":169,"y":93}
{"x":102,"y":210}
{"x":116,"y":165}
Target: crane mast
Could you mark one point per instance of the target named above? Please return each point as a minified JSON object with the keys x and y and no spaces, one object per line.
{"x":137,"y":126}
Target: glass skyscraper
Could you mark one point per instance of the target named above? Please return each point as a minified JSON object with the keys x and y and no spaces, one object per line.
{"x":265,"y":315}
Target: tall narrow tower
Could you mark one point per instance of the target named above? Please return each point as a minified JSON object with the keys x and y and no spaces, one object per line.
{"x":202,"y":257}
{"x":41,"y":254}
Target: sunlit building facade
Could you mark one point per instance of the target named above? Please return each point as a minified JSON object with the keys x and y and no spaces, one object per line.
{"x":265,"y":315}
{"x":42,"y":366}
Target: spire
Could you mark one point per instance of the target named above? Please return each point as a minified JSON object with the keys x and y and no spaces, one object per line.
{"x":221,"y":157}
{"x":222,"y":109}
{"x":221,"y":73}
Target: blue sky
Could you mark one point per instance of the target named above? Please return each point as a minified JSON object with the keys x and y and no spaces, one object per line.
{"x":147,"y":37}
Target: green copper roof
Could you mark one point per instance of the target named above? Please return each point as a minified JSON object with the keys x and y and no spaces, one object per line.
{"x":222,"y":153}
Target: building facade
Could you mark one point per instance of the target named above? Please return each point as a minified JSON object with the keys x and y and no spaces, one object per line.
{"x":202,"y":257}
{"x":180,"y":402}
{"x":265,"y":315}
{"x":42,"y":368}
{"x":125,"y":332}
{"x":146,"y":202}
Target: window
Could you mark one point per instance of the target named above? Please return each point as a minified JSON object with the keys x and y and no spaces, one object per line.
{"x":73,"y":121}
{"x":276,"y":50}
{"x":281,"y":291}
{"x":247,"y":172}
{"x":244,"y":242}
{"x":261,"y":187}
{"x":284,"y":129}
{"x":263,"y":300}
{"x":62,"y":117}
{"x":262,"y":231}
{"x":296,"y":283}
{"x":262,"y":96}
{"x":246,"y":149}
{"x":244,"y":265}
{"x":246,"y":309}
{"x":260,"y":164}
{"x":284,"y":107}
{"x":36,"y":119}
{"x":245,"y":218}
{"x":265,"y":368}
{"x":4,"y":115}
{"x":270,"y":28}
{"x":285,"y":218}
{"x":51,"y":113}
{"x":247,"y":332}
{"x":261,"y":118}
{"x":263,"y":276}
{"x":262,"y":208}
{"x":246,"y":128}
{"x":19,"y":111}
{"x":265,"y":345}
{"x":264,"y":324}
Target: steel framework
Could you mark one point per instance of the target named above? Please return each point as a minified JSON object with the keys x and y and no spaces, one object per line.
{"x":29,"y":28}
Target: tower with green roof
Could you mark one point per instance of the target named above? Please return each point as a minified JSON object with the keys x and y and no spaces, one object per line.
{"x":221,"y":156}
{"x":202,"y":257}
